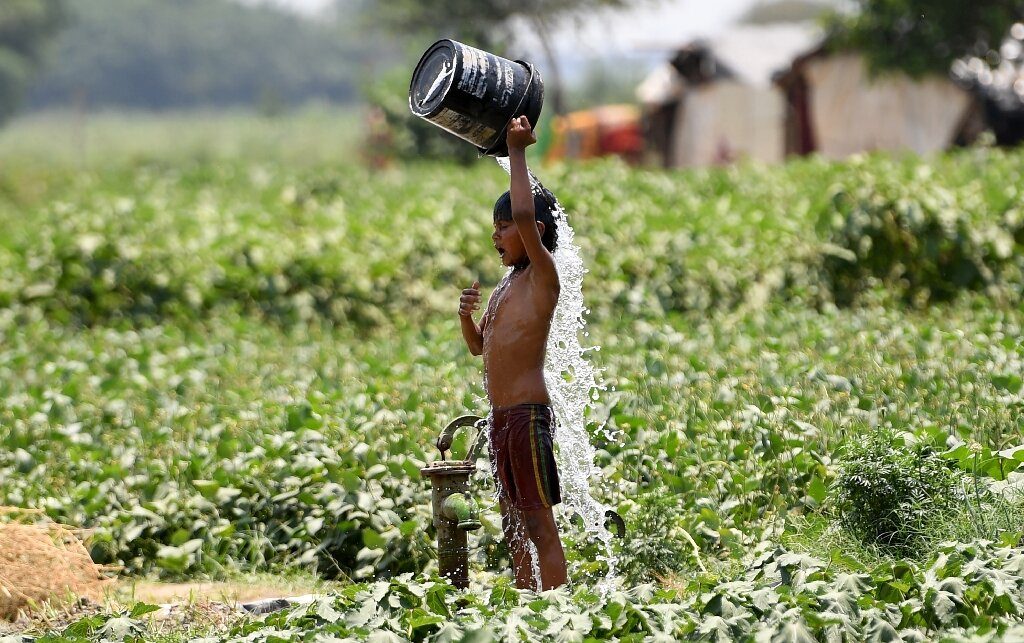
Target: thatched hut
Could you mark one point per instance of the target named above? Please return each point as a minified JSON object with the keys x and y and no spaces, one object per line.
{"x":836,"y":107}
{"x":714,"y":101}
{"x":768,"y":92}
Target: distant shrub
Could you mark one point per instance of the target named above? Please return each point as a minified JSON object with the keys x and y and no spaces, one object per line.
{"x":917,"y":237}
{"x":887,"y":491}
{"x":365,"y":248}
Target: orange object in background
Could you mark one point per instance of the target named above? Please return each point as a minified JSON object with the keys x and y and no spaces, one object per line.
{"x":608,"y":130}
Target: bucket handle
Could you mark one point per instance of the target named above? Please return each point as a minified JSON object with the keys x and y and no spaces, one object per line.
{"x":522,"y":100}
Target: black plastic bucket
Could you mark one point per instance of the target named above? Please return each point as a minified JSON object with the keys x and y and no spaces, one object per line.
{"x":474,"y":94}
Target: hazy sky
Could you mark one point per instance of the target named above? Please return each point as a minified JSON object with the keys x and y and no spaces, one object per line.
{"x":658,"y":24}
{"x":654,"y":25}
{"x":638,"y":37}
{"x":304,"y":6}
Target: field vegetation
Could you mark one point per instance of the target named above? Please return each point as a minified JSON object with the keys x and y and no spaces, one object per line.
{"x":225,"y":364}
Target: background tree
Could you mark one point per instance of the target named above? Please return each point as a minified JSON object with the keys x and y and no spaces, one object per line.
{"x":776,"y":11}
{"x":925,"y":36}
{"x":488,"y":24}
{"x":25,"y":26}
{"x":155,"y":54}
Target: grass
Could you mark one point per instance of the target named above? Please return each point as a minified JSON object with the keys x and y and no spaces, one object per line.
{"x":307,"y":137}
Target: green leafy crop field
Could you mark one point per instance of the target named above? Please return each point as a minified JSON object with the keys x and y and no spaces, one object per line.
{"x":222,"y":366}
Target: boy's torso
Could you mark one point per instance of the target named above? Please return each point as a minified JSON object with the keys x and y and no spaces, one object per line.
{"x":518,"y":319}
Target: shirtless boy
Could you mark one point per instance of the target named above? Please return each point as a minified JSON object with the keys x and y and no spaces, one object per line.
{"x":512,"y":336}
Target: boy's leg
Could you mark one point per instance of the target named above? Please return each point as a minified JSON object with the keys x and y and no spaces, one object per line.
{"x":541,"y":527}
{"x":516,"y":537}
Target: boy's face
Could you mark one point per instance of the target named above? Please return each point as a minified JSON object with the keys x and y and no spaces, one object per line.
{"x":508,"y":243}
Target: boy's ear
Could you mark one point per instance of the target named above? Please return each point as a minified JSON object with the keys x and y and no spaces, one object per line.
{"x":540,"y":228}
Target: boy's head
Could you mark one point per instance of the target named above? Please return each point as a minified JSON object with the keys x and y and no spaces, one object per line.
{"x":506,"y":236}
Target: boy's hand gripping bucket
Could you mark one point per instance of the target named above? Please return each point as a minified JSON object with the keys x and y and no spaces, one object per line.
{"x":474,"y":94}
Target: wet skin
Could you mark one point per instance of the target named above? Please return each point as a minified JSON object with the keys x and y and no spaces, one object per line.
{"x":515,"y":330}
{"x":512,"y":336}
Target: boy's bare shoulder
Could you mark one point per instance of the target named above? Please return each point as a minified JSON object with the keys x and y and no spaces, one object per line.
{"x":543,"y":285}
{"x":553,"y":283}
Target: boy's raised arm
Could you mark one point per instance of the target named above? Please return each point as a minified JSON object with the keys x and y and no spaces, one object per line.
{"x":520,"y":136}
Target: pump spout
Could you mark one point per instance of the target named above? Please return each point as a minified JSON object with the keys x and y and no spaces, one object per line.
{"x":462,"y":510}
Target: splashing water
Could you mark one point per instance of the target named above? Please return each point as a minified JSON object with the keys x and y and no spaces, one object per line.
{"x":572,"y":385}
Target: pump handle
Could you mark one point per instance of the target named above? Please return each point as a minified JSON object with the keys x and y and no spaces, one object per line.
{"x":444,"y":441}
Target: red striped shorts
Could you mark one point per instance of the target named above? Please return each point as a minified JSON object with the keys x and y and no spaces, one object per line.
{"x":522,"y":458}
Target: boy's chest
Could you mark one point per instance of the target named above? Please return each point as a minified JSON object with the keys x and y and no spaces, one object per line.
{"x":512,"y":307}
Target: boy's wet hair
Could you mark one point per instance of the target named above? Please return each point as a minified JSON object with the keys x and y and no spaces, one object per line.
{"x":544,"y":208}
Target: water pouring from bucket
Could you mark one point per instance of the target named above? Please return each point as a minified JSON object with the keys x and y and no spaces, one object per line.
{"x":474,"y":95}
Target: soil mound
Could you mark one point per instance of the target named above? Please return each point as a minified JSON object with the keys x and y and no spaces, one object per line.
{"x":43,"y":563}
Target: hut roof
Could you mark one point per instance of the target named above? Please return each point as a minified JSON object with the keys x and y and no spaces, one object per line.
{"x":753,"y":54}
{"x":749,"y":54}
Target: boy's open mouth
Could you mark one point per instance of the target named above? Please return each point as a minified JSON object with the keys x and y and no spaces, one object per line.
{"x":501,"y":251}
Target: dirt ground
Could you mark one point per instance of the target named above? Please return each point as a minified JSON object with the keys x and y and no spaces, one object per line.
{"x":231,"y":592}
{"x":196,"y":604}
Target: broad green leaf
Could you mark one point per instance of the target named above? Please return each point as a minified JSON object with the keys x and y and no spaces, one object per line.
{"x":419,"y":618}
{"x":141,"y":609}
{"x":373,"y":540}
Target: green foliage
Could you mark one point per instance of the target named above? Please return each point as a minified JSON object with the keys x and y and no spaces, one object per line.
{"x":311,"y":136}
{"x":245,"y":490}
{"x":147,"y":399}
{"x":888,"y":491}
{"x":920,"y":238}
{"x":919,"y":37}
{"x":813,"y":232}
{"x":25,"y":27}
{"x":785,"y":11}
{"x":653,"y":559}
{"x":963,"y":591}
{"x":203,"y":53}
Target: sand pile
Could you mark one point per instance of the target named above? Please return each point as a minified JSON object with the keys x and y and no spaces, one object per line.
{"x":43,"y":563}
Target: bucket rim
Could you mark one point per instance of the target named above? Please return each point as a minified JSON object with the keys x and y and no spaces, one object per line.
{"x":416,"y":72}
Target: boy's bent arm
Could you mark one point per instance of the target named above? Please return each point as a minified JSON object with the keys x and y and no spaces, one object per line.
{"x":473,"y":334}
{"x":519,"y":136}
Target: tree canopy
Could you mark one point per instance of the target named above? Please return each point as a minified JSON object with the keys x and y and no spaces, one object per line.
{"x":184,"y":53}
{"x":25,"y":27}
{"x":775,"y":11}
{"x":925,"y":36}
{"x":484,"y":22}
{"x":488,"y":23}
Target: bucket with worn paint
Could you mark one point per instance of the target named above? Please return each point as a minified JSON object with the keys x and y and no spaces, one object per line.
{"x":474,"y":94}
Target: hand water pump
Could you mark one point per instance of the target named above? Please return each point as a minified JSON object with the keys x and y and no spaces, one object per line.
{"x":455,"y":511}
